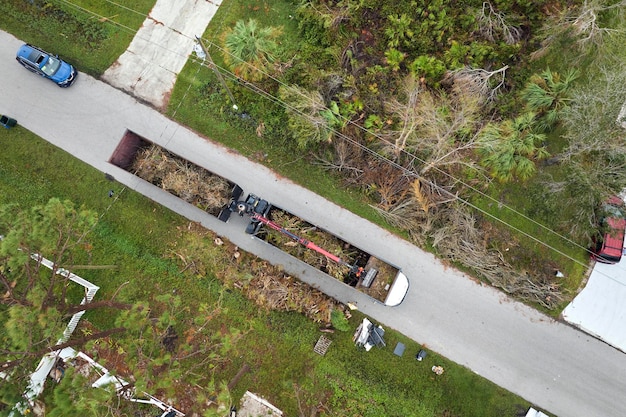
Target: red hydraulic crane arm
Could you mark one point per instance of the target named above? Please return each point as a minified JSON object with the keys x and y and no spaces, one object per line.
{"x":324,"y":252}
{"x":306,"y":243}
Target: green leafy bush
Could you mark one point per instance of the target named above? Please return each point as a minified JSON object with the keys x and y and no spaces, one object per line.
{"x":339,"y":321}
{"x":394,"y":58}
{"x":429,"y":67}
{"x":547,"y":94}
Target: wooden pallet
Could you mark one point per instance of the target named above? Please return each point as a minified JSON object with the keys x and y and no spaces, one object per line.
{"x":322,"y":345}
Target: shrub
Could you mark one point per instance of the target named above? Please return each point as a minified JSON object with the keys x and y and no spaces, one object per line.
{"x":339,"y":321}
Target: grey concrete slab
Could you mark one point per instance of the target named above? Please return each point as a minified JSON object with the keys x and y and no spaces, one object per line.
{"x":599,"y":309}
{"x":550,"y":364}
{"x":159,"y":50}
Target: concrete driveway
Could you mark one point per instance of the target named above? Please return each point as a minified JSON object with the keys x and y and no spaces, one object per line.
{"x":600,"y":308}
{"x":158,"y":52}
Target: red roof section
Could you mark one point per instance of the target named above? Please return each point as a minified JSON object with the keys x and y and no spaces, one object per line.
{"x":613,"y":242}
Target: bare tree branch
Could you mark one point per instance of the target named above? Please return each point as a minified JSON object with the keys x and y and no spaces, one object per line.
{"x":582,"y":23}
{"x":70,"y":343}
{"x":436,"y":128}
{"x":479,"y":82}
{"x":493,"y":25}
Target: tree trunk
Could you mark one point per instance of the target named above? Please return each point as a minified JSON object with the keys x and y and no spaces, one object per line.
{"x":70,"y":343}
{"x":98,"y":304}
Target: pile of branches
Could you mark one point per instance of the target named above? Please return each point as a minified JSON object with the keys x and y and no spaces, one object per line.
{"x":315,"y":235}
{"x":458,"y":238}
{"x":453,"y":231}
{"x":383,"y":182}
{"x":185,"y":180}
{"x":272,"y":289}
{"x":202,"y":253}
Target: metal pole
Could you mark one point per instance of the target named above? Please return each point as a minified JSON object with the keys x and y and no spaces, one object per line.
{"x":217,"y":73}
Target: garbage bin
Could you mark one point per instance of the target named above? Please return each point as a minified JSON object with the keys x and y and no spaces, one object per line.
{"x":7,"y":122}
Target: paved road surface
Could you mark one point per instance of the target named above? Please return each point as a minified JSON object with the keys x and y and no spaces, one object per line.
{"x":550,"y":364}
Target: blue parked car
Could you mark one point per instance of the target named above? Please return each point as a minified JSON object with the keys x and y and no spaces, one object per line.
{"x":48,"y":66}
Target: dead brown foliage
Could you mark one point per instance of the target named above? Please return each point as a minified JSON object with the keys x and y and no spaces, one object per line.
{"x":413,"y":212}
{"x":274,"y":290}
{"x":450,"y":227}
{"x":265,"y":284}
{"x":191,"y":183}
{"x":385,"y":182}
{"x":458,"y":238}
{"x":315,"y":235}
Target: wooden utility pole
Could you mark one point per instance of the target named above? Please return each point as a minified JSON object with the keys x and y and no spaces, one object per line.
{"x":216,"y":71}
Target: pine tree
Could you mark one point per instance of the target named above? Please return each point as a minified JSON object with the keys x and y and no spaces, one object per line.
{"x":510,"y":148}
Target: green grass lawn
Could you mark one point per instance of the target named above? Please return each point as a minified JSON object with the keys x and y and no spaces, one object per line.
{"x":90,"y":34}
{"x":137,"y":236}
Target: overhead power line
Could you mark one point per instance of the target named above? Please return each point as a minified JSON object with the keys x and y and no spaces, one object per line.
{"x":368,"y":150}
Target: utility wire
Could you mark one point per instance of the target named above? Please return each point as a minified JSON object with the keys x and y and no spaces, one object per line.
{"x":121,"y":6}
{"x":407,"y":153}
{"x":406,"y":171}
{"x":348,"y":121}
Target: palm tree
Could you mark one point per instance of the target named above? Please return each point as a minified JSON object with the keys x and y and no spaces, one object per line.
{"x":249,"y":49}
{"x":547,"y":95}
{"x":509,"y":148}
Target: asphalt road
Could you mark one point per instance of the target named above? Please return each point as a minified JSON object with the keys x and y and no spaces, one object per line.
{"x":556,"y":367}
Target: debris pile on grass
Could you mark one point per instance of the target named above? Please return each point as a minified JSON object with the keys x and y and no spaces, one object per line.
{"x":271,"y":288}
{"x":267,"y":285}
{"x":185,"y":180}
